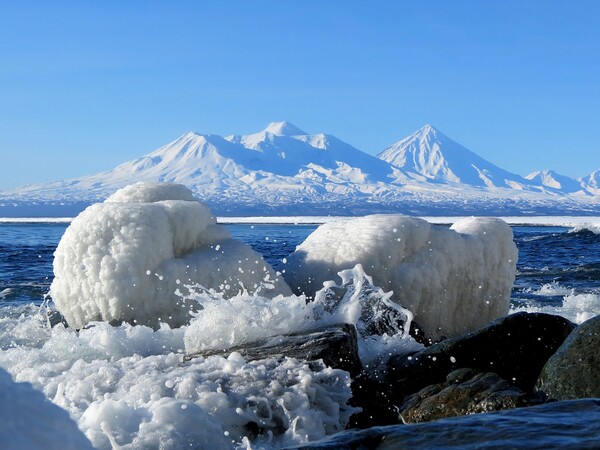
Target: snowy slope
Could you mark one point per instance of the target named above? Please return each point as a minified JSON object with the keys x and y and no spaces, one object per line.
{"x":432,"y":154}
{"x":283,"y":170}
{"x":277,"y":166}
{"x":553,"y":180}
{"x":290,"y":151}
{"x":591,"y":183}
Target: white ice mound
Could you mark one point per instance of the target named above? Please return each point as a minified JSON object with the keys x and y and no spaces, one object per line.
{"x":30,"y":421}
{"x":453,"y":280}
{"x":128,"y":258}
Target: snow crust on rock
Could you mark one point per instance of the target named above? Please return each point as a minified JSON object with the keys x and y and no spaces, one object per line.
{"x":453,"y":280}
{"x":151,"y":193}
{"x":29,"y":421}
{"x":125,"y":259}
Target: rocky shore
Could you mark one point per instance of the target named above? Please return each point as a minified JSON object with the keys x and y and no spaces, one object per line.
{"x":521,"y":360}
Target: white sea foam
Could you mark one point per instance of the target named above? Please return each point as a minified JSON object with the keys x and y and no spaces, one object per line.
{"x":128,"y":386}
{"x":551,"y":290}
{"x":225,"y":323}
{"x":577,"y":307}
{"x":593,"y":227}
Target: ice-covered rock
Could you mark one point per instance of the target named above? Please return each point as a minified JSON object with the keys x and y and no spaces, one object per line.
{"x":29,"y":421}
{"x":453,"y":280}
{"x":128,"y":259}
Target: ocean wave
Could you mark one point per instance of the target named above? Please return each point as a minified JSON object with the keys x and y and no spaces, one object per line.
{"x":590,"y":227}
{"x":551,"y":290}
{"x":575,"y":307}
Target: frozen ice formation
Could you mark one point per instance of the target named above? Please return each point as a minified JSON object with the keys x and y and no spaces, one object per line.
{"x":130,"y":258}
{"x":453,"y":280}
{"x":30,"y":421}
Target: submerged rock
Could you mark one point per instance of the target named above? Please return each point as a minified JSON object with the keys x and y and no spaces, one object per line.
{"x":336,"y":345}
{"x":465,"y":392}
{"x":515,"y":347}
{"x":574,"y":370}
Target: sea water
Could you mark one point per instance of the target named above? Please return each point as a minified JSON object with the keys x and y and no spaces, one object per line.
{"x":136,"y":375}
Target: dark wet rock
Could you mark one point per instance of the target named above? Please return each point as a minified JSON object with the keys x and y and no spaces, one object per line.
{"x":515,"y":347}
{"x":54,"y":318}
{"x":336,"y":345}
{"x":372,"y":394}
{"x":574,"y":370}
{"x":417,"y":333}
{"x":465,"y":391}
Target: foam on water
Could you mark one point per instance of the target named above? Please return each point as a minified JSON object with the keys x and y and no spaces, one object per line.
{"x":128,"y":386}
{"x":224,"y":323}
{"x":593,"y":227}
{"x":576,"y":307}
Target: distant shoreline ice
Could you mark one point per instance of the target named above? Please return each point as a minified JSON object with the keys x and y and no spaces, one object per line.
{"x":554,"y":221}
{"x":36,"y":219}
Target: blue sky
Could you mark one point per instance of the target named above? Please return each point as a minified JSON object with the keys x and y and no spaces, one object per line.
{"x":87,"y":85}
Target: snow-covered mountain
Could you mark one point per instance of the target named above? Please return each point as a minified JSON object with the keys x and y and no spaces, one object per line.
{"x":284,"y":170}
{"x":288,"y":151}
{"x":592,"y":182}
{"x":434,"y":155}
{"x":553,"y":180}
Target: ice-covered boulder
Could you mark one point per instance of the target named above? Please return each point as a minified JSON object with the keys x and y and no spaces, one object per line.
{"x":131,"y":257}
{"x":453,"y":280}
{"x":29,"y":421}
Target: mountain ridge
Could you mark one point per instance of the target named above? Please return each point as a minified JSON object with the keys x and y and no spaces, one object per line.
{"x":283,"y":169}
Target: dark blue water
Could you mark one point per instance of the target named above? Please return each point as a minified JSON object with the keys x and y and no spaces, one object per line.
{"x":547,"y":256}
{"x":555,"y":256}
{"x":573,"y":424}
{"x":26,"y":253}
